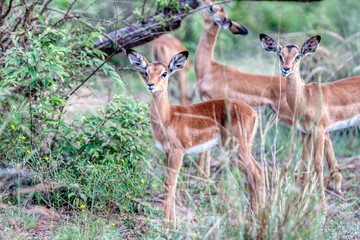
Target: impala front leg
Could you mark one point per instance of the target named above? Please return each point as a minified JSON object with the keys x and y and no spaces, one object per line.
{"x":306,"y":157}
{"x":335,"y":174}
{"x":318,"y":161}
{"x":174,"y":161}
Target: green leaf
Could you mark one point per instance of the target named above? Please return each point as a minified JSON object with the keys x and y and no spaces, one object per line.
{"x":56,"y":67}
{"x":31,"y":70}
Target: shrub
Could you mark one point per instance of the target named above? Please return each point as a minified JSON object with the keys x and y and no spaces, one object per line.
{"x":97,"y":159}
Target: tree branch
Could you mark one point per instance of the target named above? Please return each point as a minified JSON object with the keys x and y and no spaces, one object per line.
{"x":140,"y":33}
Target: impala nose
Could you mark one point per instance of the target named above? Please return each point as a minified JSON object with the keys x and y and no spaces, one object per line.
{"x":286,"y":69}
{"x":151,"y":86}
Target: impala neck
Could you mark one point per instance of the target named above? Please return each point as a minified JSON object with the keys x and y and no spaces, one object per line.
{"x":160,"y":108}
{"x":296,"y":92}
{"x":205,"y":51}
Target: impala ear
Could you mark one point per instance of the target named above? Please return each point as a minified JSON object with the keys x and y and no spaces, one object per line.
{"x":178,"y":61}
{"x":310,"y":45}
{"x":269,"y":44}
{"x":237,"y":28}
{"x":137,"y":60}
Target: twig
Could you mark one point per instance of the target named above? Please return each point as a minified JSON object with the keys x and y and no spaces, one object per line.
{"x":339,"y":196}
{"x":44,"y":7}
{"x":3,"y":16}
{"x":66,"y":14}
{"x":83,"y":82}
{"x":81,"y":21}
{"x":116,"y":204}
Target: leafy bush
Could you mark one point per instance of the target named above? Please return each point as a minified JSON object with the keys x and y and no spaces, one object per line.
{"x":97,"y":159}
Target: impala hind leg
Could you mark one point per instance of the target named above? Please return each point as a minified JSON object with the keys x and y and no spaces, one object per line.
{"x":252,"y":172}
{"x":244,"y":130}
{"x":207,"y":164}
{"x":174,"y":161}
{"x":335,"y":174}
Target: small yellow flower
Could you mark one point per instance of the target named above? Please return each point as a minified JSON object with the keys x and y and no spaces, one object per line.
{"x":182,"y":168}
{"x":12,"y":126}
{"x":113,"y":224}
{"x":195,"y":235}
{"x":128,"y":197}
{"x":28,"y":151}
{"x":82,"y":211}
{"x":82,"y":206}
{"x":142,"y":181}
{"x":23,"y":138}
{"x":181,"y":189}
{"x":123,"y":160}
{"x":9,"y":202}
{"x":46,"y":158}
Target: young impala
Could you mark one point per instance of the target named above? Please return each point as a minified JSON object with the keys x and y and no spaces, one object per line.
{"x":163,"y":49}
{"x":214,"y":80}
{"x":317,"y":107}
{"x":179,"y":130}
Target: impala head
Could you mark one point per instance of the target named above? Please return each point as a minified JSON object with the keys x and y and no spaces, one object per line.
{"x":217,"y":15}
{"x":289,"y":55}
{"x":156,"y":73}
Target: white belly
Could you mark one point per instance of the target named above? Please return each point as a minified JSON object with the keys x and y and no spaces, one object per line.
{"x":203,"y":147}
{"x":195,"y":149}
{"x":300,"y":128}
{"x":159,"y":146}
{"x":344,"y":124}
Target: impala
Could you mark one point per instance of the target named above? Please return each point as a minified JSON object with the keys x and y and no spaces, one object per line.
{"x":179,"y":130}
{"x":318,"y":107}
{"x":162,"y":50}
{"x":214,"y":80}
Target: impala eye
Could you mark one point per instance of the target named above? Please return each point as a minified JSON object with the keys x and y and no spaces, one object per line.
{"x":146,"y":74}
{"x":164,"y":75}
{"x":297,"y":58}
{"x":281,"y":58}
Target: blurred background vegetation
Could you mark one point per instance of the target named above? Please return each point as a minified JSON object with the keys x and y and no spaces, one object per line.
{"x":91,"y":154}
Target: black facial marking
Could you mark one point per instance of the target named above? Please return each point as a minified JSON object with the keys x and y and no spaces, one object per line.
{"x":290,"y":46}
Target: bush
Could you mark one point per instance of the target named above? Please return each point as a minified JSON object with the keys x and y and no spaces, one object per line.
{"x":97,"y":159}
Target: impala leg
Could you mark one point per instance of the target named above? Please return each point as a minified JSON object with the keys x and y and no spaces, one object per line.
{"x":174,"y":161}
{"x":207,"y":164}
{"x":203,"y":166}
{"x":252,"y":173}
{"x":248,"y":164}
{"x":335,"y":174}
{"x":200,"y":165}
{"x":306,"y":156}
{"x":318,"y":161}
{"x":184,"y":94}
